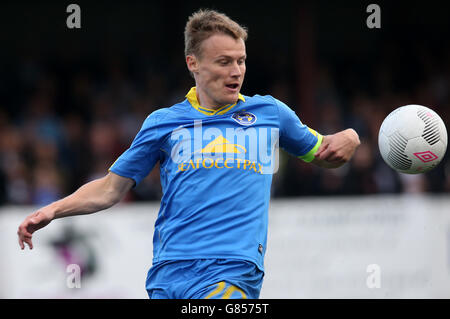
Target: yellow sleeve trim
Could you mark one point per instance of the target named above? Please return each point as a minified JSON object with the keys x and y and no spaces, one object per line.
{"x":308,"y":157}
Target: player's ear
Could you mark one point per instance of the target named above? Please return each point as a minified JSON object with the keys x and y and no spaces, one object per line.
{"x":192,"y":63}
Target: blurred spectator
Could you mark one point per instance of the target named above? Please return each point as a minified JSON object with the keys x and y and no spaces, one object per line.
{"x":46,"y":184}
{"x":360,"y":179}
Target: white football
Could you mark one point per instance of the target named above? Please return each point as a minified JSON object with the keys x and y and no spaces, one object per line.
{"x":412,"y":139}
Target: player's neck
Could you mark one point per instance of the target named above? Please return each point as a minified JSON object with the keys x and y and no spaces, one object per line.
{"x":206,"y":102}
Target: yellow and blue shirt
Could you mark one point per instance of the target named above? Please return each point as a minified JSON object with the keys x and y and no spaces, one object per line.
{"x":216,"y":171}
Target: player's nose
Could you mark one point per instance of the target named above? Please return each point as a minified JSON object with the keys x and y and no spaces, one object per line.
{"x":236,"y":70}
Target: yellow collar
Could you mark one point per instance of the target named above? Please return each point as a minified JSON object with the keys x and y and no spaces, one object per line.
{"x":192,"y":98}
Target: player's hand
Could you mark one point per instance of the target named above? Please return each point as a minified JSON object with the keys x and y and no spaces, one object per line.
{"x":338,"y":148}
{"x":33,"y":222}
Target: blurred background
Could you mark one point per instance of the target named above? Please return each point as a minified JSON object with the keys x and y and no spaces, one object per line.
{"x":72,"y":100}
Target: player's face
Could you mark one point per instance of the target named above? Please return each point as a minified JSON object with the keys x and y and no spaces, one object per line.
{"x":220,"y":70}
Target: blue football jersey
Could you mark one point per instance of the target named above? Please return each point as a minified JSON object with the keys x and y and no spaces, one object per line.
{"x":216,"y":170}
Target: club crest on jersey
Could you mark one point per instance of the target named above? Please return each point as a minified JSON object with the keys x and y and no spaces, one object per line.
{"x":244,"y":118}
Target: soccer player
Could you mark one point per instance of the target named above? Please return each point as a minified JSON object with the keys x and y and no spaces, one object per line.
{"x":217,"y":155}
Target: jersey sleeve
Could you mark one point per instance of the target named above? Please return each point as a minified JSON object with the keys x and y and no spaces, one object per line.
{"x":140,"y":158}
{"x":295,"y":137}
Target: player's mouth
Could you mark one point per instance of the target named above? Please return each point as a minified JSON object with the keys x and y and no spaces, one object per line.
{"x":232,"y":87}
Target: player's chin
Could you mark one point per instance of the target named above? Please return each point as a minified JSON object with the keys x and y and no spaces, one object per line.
{"x":231,"y":97}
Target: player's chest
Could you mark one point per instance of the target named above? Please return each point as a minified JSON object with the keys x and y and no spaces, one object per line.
{"x":238,"y":136}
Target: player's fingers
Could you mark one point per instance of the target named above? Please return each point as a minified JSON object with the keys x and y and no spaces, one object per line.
{"x":321,"y":149}
{"x":22,"y":246}
{"x":23,"y":230}
{"x":326,"y":154}
{"x":27,"y":239}
{"x":29,"y":242}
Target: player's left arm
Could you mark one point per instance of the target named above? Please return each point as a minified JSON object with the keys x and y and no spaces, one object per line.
{"x":329,"y":151}
{"x":336,"y":149}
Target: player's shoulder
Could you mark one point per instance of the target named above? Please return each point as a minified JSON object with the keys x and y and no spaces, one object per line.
{"x":164,"y":113}
{"x":268,"y":100}
{"x":257,"y":98}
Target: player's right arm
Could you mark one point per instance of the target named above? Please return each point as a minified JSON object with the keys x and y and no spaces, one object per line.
{"x":92,"y":197}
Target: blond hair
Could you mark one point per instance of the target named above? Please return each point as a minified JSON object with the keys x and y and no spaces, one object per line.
{"x":205,"y":23}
